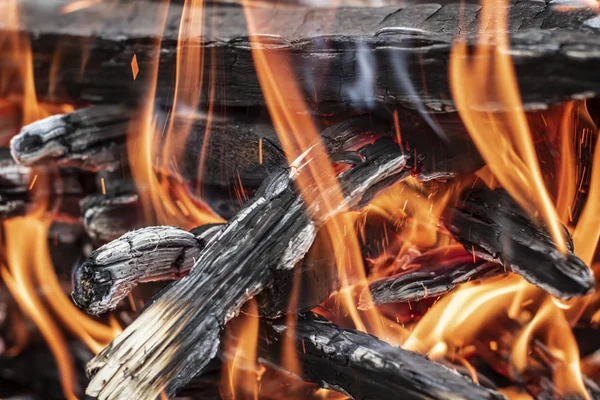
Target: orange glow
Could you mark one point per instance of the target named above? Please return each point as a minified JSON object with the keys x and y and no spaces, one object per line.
{"x":166,"y":199}
{"x":551,"y":323}
{"x":302,"y":145}
{"x":486,"y":80}
{"x":241,"y":372}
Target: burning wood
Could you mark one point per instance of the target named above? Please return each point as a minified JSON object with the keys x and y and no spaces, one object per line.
{"x":547,"y":40}
{"x":90,"y":138}
{"x":490,"y":224}
{"x":273,"y":232}
{"x":15,"y":182}
{"x":429,"y":275}
{"x":148,"y":254}
{"x":360,"y":365}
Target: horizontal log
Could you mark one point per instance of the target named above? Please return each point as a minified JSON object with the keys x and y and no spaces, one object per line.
{"x":93,"y":138}
{"x":342,"y":58}
{"x":490,"y":224}
{"x":272,"y":232}
{"x":430,"y":275}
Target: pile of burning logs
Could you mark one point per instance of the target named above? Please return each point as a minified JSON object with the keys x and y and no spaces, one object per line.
{"x":264,"y":245}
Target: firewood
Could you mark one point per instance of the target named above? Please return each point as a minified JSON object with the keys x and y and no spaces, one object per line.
{"x":365,"y":367}
{"x":272,"y":232}
{"x":149,"y":254}
{"x":107,"y":218}
{"x":351,"y":362}
{"x":15,"y":180}
{"x":432,"y":274}
{"x":490,"y":224}
{"x":89,"y":138}
{"x":94,"y":138}
{"x":547,"y":41}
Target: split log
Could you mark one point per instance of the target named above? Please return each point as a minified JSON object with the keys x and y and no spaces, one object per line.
{"x":272,"y":232}
{"x":106,"y":218}
{"x":344,"y":57}
{"x":490,"y":224}
{"x":429,"y":275}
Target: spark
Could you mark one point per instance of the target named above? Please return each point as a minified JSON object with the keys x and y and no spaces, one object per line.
{"x":33,"y":182}
{"x":103,"y":185}
{"x":135,"y":69}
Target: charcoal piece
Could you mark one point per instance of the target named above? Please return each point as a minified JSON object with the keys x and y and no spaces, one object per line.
{"x":364,"y":367}
{"x":429,"y":275}
{"x":90,"y":138}
{"x":149,"y":254}
{"x":15,"y":180}
{"x":353,"y":363}
{"x":178,"y":333}
{"x":493,"y":226}
{"x":107,"y":217}
{"x":342,"y":58}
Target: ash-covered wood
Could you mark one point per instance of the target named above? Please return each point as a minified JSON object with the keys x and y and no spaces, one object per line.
{"x":429,"y":275}
{"x":15,"y":180}
{"x":492,"y":225}
{"x":174,"y":338}
{"x":341,"y":57}
{"x":364,"y":367}
{"x":107,"y":217}
{"x":90,"y":138}
{"x":148,"y":254}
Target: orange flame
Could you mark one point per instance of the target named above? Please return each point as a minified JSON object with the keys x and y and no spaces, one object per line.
{"x":487,"y":79}
{"x":165,"y":197}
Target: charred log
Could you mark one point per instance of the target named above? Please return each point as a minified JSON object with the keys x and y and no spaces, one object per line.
{"x":15,"y":181}
{"x":90,"y":138}
{"x":273,"y":232}
{"x":365,"y":367}
{"x":148,"y":254}
{"x":429,"y":275}
{"x":490,"y":224}
{"x":547,"y":42}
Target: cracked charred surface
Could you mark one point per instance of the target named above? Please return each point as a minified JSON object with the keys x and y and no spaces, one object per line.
{"x":272,"y":232}
{"x":492,"y":225}
{"x":428,"y":275}
{"x":364,"y":367}
{"x":548,"y":43}
{"x":89,"y":138}
{"x":148,"y":254}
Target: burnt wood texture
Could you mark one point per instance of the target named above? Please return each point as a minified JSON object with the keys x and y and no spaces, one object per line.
{"x":389,"y":55}
{"x":271,"y":233}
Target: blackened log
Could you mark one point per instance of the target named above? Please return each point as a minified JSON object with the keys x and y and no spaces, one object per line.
{"x":429,"y":275}
{"x":149,"y":254}
{"x":90,"y":138}
{"x":491,"y":224}
{"x":15,"y":180}
{"x":106,"y":218}
{"x":397,"y":55}
{"x":176,"y":335}
{"x":362,"y":366}
{"x":94,"y":138}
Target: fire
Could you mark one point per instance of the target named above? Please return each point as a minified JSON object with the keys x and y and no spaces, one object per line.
{"x":26,"y":267}
{"x":487,"y":80}
{"x":155,"y":155}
